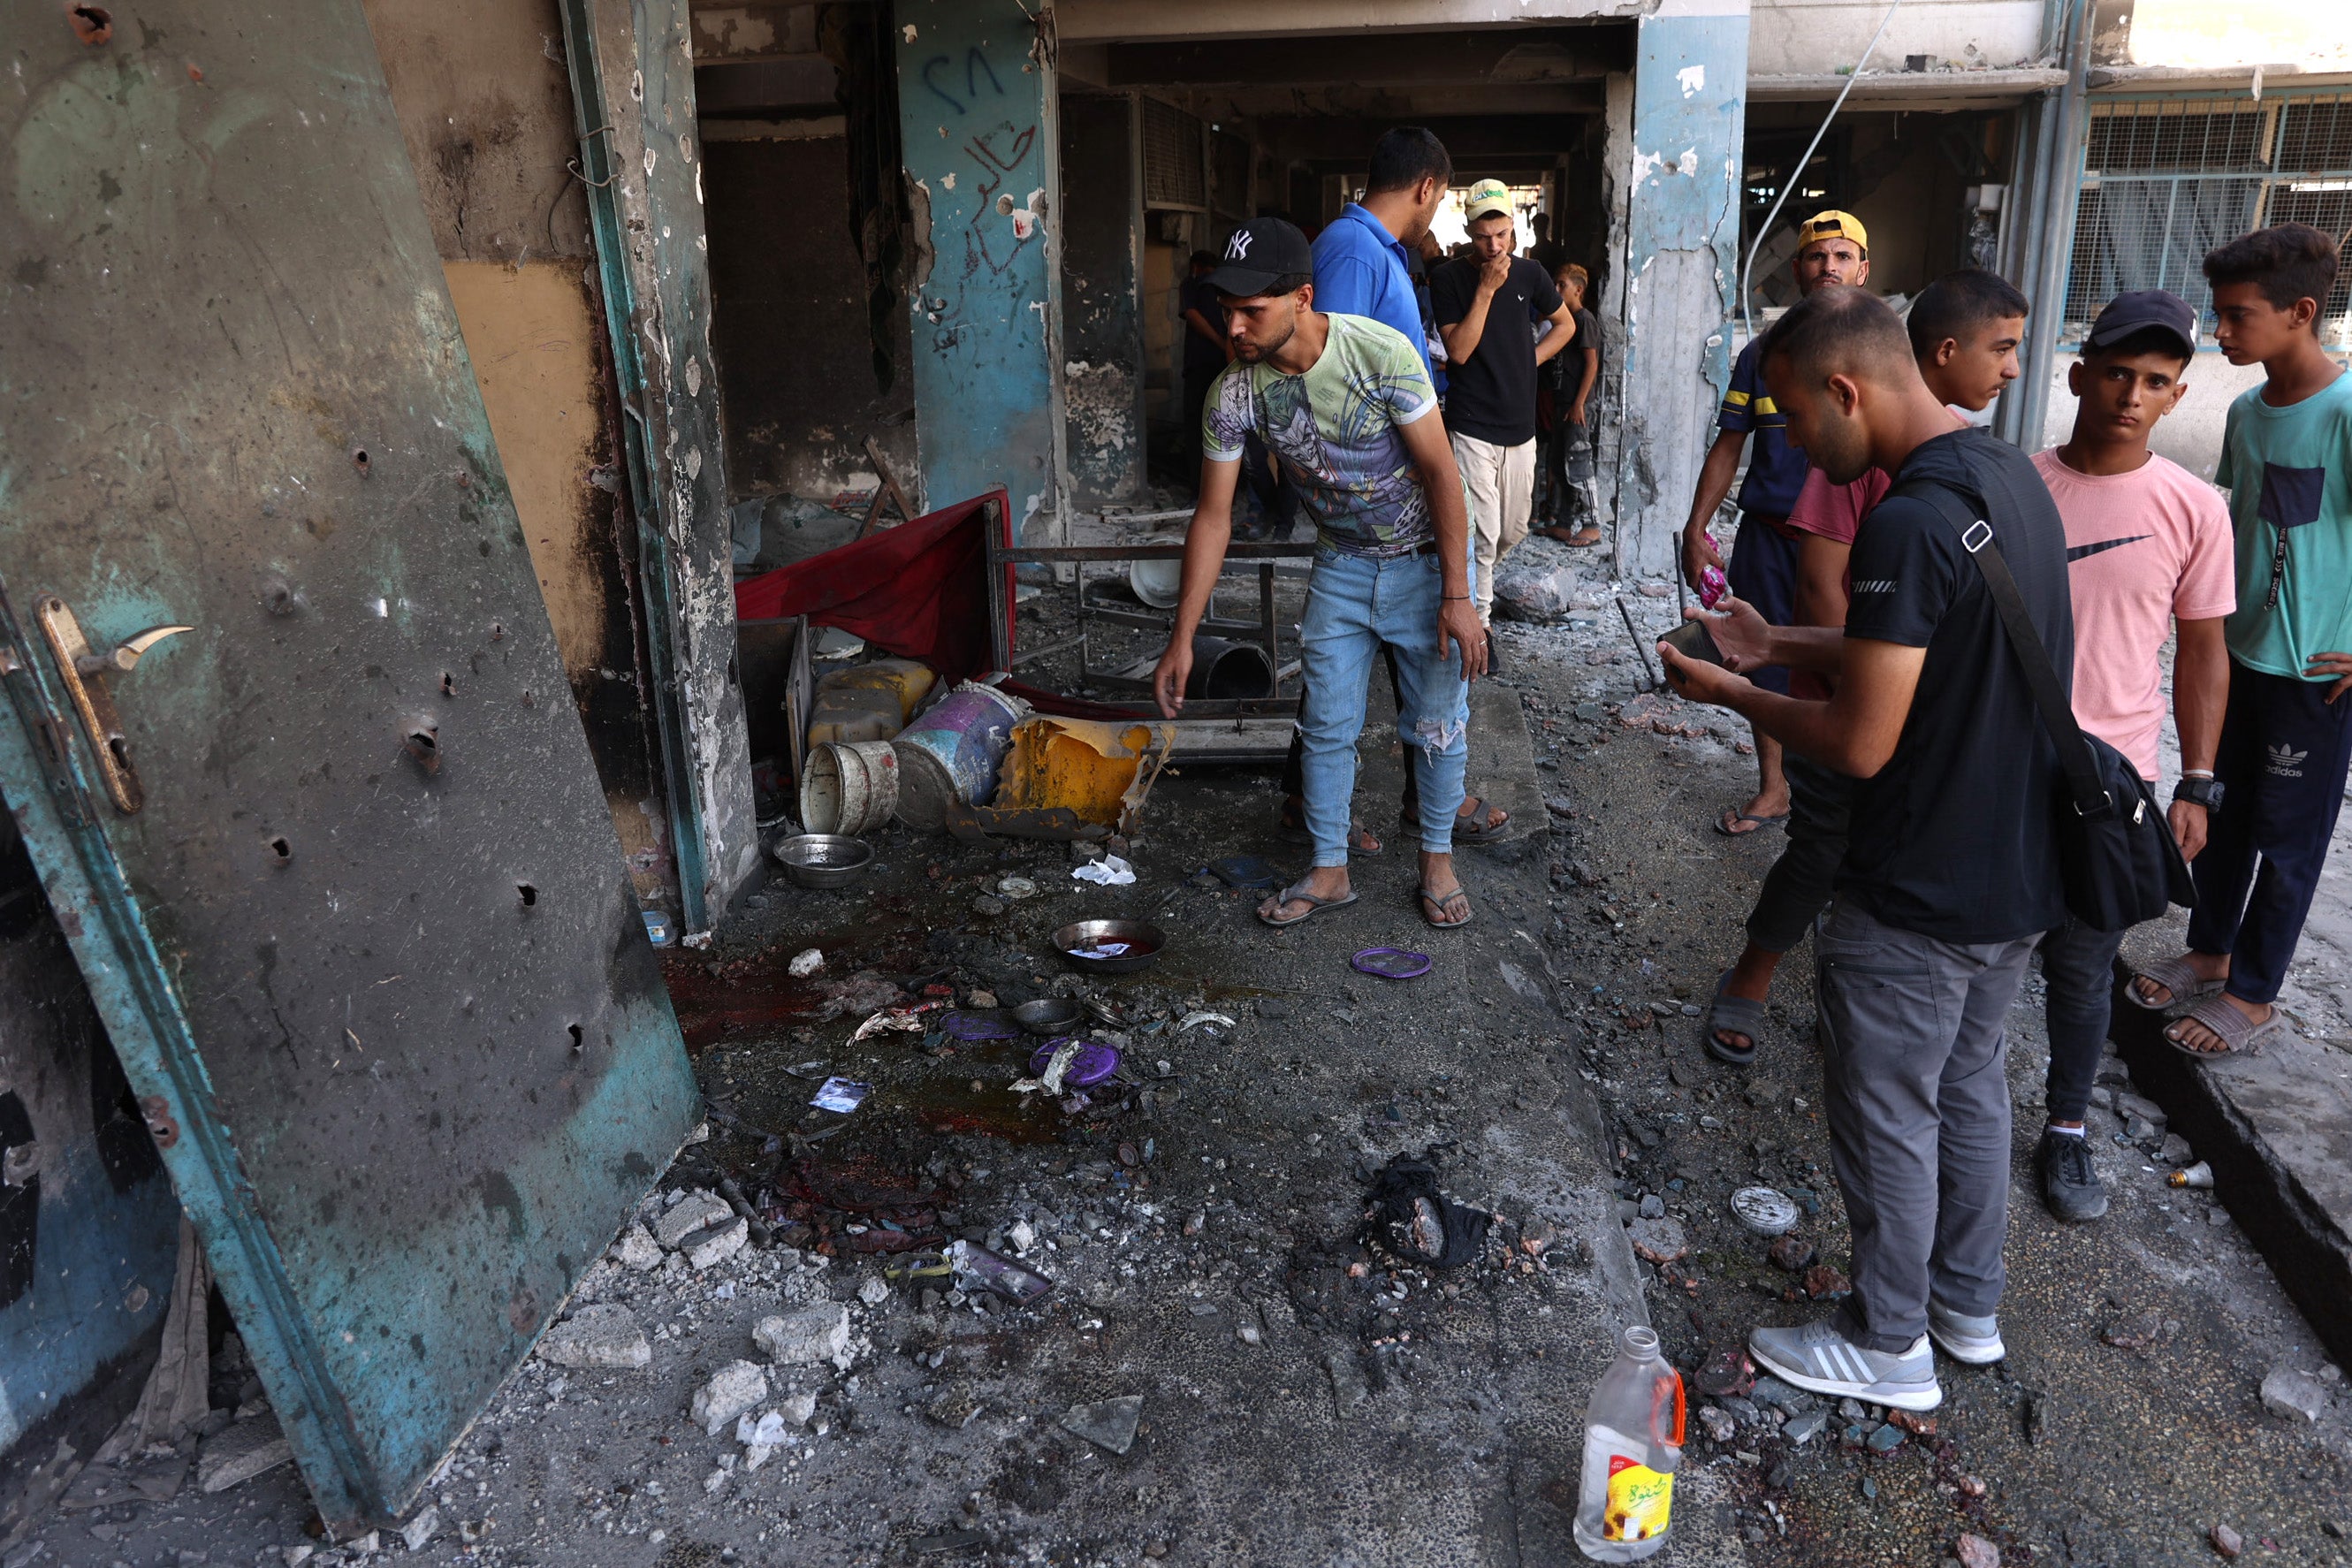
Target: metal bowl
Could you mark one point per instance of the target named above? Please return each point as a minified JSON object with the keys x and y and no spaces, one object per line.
{"x":1143,"y":941}
{"x":823,"y":859}
{"x":1047,"y":1015}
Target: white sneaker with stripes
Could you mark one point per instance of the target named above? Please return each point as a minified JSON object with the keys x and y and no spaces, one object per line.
{"x":1819,"y":1359}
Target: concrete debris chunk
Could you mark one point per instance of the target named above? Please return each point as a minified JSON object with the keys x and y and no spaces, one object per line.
{"x":875,"y":1291}
{"x":733,"y":1389}
{"x":1107,"y":1423}
{"x":1528,"y":592}
{"x":2298,"y":1395}
{"x":805,"y":962}
{"x":637,"y":1249}
{"x":799,"y":1410}
{"x":766,"y":1432}
{"x":601,"y":1336}
{"x":241,"y":1452}
{"x":689,"y":1215}
{"x":418,"y":1533}
{"x":1658,"y":1239}
{"x":808,"y":1337}
{"x":716,"y":1244}
{"x":2226,"y":1541}
{"x":1976,"y":1552}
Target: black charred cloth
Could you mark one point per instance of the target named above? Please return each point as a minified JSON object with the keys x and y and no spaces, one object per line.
{"x":1410,"y":1219}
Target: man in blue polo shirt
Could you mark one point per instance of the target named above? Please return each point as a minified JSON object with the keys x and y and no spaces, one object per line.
{"x":1831,"y":248}
{"x":1363,"y":260}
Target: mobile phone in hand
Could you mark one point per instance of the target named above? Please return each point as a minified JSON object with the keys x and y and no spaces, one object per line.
{"x":1694,"y":641}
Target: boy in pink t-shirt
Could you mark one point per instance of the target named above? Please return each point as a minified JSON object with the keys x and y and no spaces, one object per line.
{"x":2149,"y":552}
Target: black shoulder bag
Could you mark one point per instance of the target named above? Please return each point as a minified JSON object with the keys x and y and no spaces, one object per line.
{"x":2116,"y":858}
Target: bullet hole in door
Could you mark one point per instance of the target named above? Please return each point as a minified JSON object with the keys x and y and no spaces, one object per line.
{"x":448,"y":687}
{"x":577,"y":1037}
{"x":422,"y":743}
{"x":93,"y":25}
{"x":528,"y":894}
{"x":359,"y":460}
{"x":280,"y":850}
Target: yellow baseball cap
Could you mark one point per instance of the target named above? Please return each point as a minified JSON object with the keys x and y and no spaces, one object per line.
{"x":1486,"y":198}
{"x":1832,"y":225}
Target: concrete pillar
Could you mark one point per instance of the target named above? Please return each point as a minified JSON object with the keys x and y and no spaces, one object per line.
{"x":1675,"y":154}
{"x":979,"y":129}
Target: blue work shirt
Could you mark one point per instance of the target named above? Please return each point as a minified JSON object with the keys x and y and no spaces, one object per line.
{"x":1362,"y":269}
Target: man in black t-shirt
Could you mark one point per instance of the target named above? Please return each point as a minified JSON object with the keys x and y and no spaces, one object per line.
{"x":1487,"y":309}
{"x":1950,"y":871}
{"x":1206,"y":354}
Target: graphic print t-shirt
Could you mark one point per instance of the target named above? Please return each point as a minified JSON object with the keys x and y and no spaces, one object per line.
{"x":2289,"y":474}
{"x":1338,"y":430}
{"x":2142,"y":548}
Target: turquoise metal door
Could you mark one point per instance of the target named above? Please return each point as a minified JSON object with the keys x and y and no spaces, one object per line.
{"x":334,"y":859}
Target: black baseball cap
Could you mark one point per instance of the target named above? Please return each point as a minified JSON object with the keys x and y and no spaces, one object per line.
{"x":2142,"y":309}
{"x":1260,"y":251}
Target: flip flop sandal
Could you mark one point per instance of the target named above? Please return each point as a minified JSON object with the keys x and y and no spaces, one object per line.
{"x":1758,"y":822}
{"x":1391,"y":962}
{"x":2175,"y":976}
{"x":1297,"y":893}
{"x":1734,"y":1015}
{"x":1432,"y":909}
{"x":2239,"y":1036}
{"x":1581,"y":543}
{"x":1470,"y":827}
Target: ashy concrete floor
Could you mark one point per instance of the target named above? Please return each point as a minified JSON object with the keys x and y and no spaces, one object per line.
{"x":1302,"y":1402}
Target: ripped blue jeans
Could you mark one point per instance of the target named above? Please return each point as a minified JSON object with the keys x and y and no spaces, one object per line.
{"x":1353,"y":605}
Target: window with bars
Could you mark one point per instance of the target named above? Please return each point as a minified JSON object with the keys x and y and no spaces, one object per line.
{"x":2164,"y":181}
{"x":1172,"y":172}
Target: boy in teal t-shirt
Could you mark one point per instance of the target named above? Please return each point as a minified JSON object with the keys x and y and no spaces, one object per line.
{"x":2286,"y":743}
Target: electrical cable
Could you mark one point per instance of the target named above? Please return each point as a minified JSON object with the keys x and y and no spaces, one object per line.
{"x":1796,"y":175}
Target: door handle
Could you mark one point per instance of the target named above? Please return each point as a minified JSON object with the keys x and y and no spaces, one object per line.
{"x":85,"y":672}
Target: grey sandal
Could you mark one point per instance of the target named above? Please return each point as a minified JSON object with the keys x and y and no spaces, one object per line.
{"x":1737,"y":1015}
{"x":1433,"y":908}
{"x":2175,"y":976}
{"x":2239,"y":1036}
{"x":1297,"y":893}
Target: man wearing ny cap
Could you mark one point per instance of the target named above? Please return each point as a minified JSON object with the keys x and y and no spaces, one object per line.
{"x":1345,"y":401}
{"x":1831,"y":248}
{"x":2150,"y":557}
{"x":1485,"y":305}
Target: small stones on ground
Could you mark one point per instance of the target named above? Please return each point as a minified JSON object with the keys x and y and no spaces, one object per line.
{"x":2226,"y":1541}
{"x":693,"y":1212}
{"x":1658,"y":1239}
{"x":1107,"y":1423}
{"x":716,"y":1243}
{"x":2134,"y":1330}
{"x":1724,"y":1371}
{"x":1791,"y":1252}
{"x":603,"y":1336}
{"x":798,"y":1410}
{"x":1885,"y":1440}
{"x":1910,"y":1421}
{"x":1770,"y":1390}
{"x":806,"y":1337}
{"x":1249,"y":1334}
{"x":1805,"y":1427}
{"x":637,"y":1249}
{"x":733,"y":1389}
{"x":1823,"y":1283}
{"x":2293,"y":1394}
{"x":985,"y":905}
{"x":1971,"y":1485}
{"x":1652,"y":1206}
{"x":805,"y":962}
{"x":1976,"y":1552}
{"x":1717,"y":1423}
{"x":418,"y":1533}
{"x":875,"y":1291}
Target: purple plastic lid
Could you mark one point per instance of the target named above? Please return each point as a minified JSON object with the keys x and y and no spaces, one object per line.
{"x":1390,"y":964}
{"x":1094,"y":1062}
{"x":974,"y":1027}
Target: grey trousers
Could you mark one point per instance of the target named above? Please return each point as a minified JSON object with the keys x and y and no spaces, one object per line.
{"x":1821,"y":803}
{"x":1913,"y":1056}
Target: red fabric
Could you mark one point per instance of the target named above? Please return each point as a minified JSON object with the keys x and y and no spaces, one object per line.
{"x":919,"y":590}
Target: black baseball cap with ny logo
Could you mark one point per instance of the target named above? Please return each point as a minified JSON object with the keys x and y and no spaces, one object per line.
{"x":1256,"y":253}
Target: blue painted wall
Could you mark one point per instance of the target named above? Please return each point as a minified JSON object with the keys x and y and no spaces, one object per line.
{"x":1681,"y":165}
{"x":980,"y":143}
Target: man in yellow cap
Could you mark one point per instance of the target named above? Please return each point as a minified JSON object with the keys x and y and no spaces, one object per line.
{"x":1486,"y":305}
{"x":1832,"y":246}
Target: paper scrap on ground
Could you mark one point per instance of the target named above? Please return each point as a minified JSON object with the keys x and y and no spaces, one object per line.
{"x":842,"y":1094}
{"x":905,"y":1020}
{"x":1111,"y":871}
{"x":806,"y":963}
{"x":1101,"y":949}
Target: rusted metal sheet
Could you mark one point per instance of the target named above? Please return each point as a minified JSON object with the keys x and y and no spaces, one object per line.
{"x":366,"y":950}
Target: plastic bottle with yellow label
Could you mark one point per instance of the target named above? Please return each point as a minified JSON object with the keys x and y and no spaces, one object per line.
{"x":1632,"y":1446}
